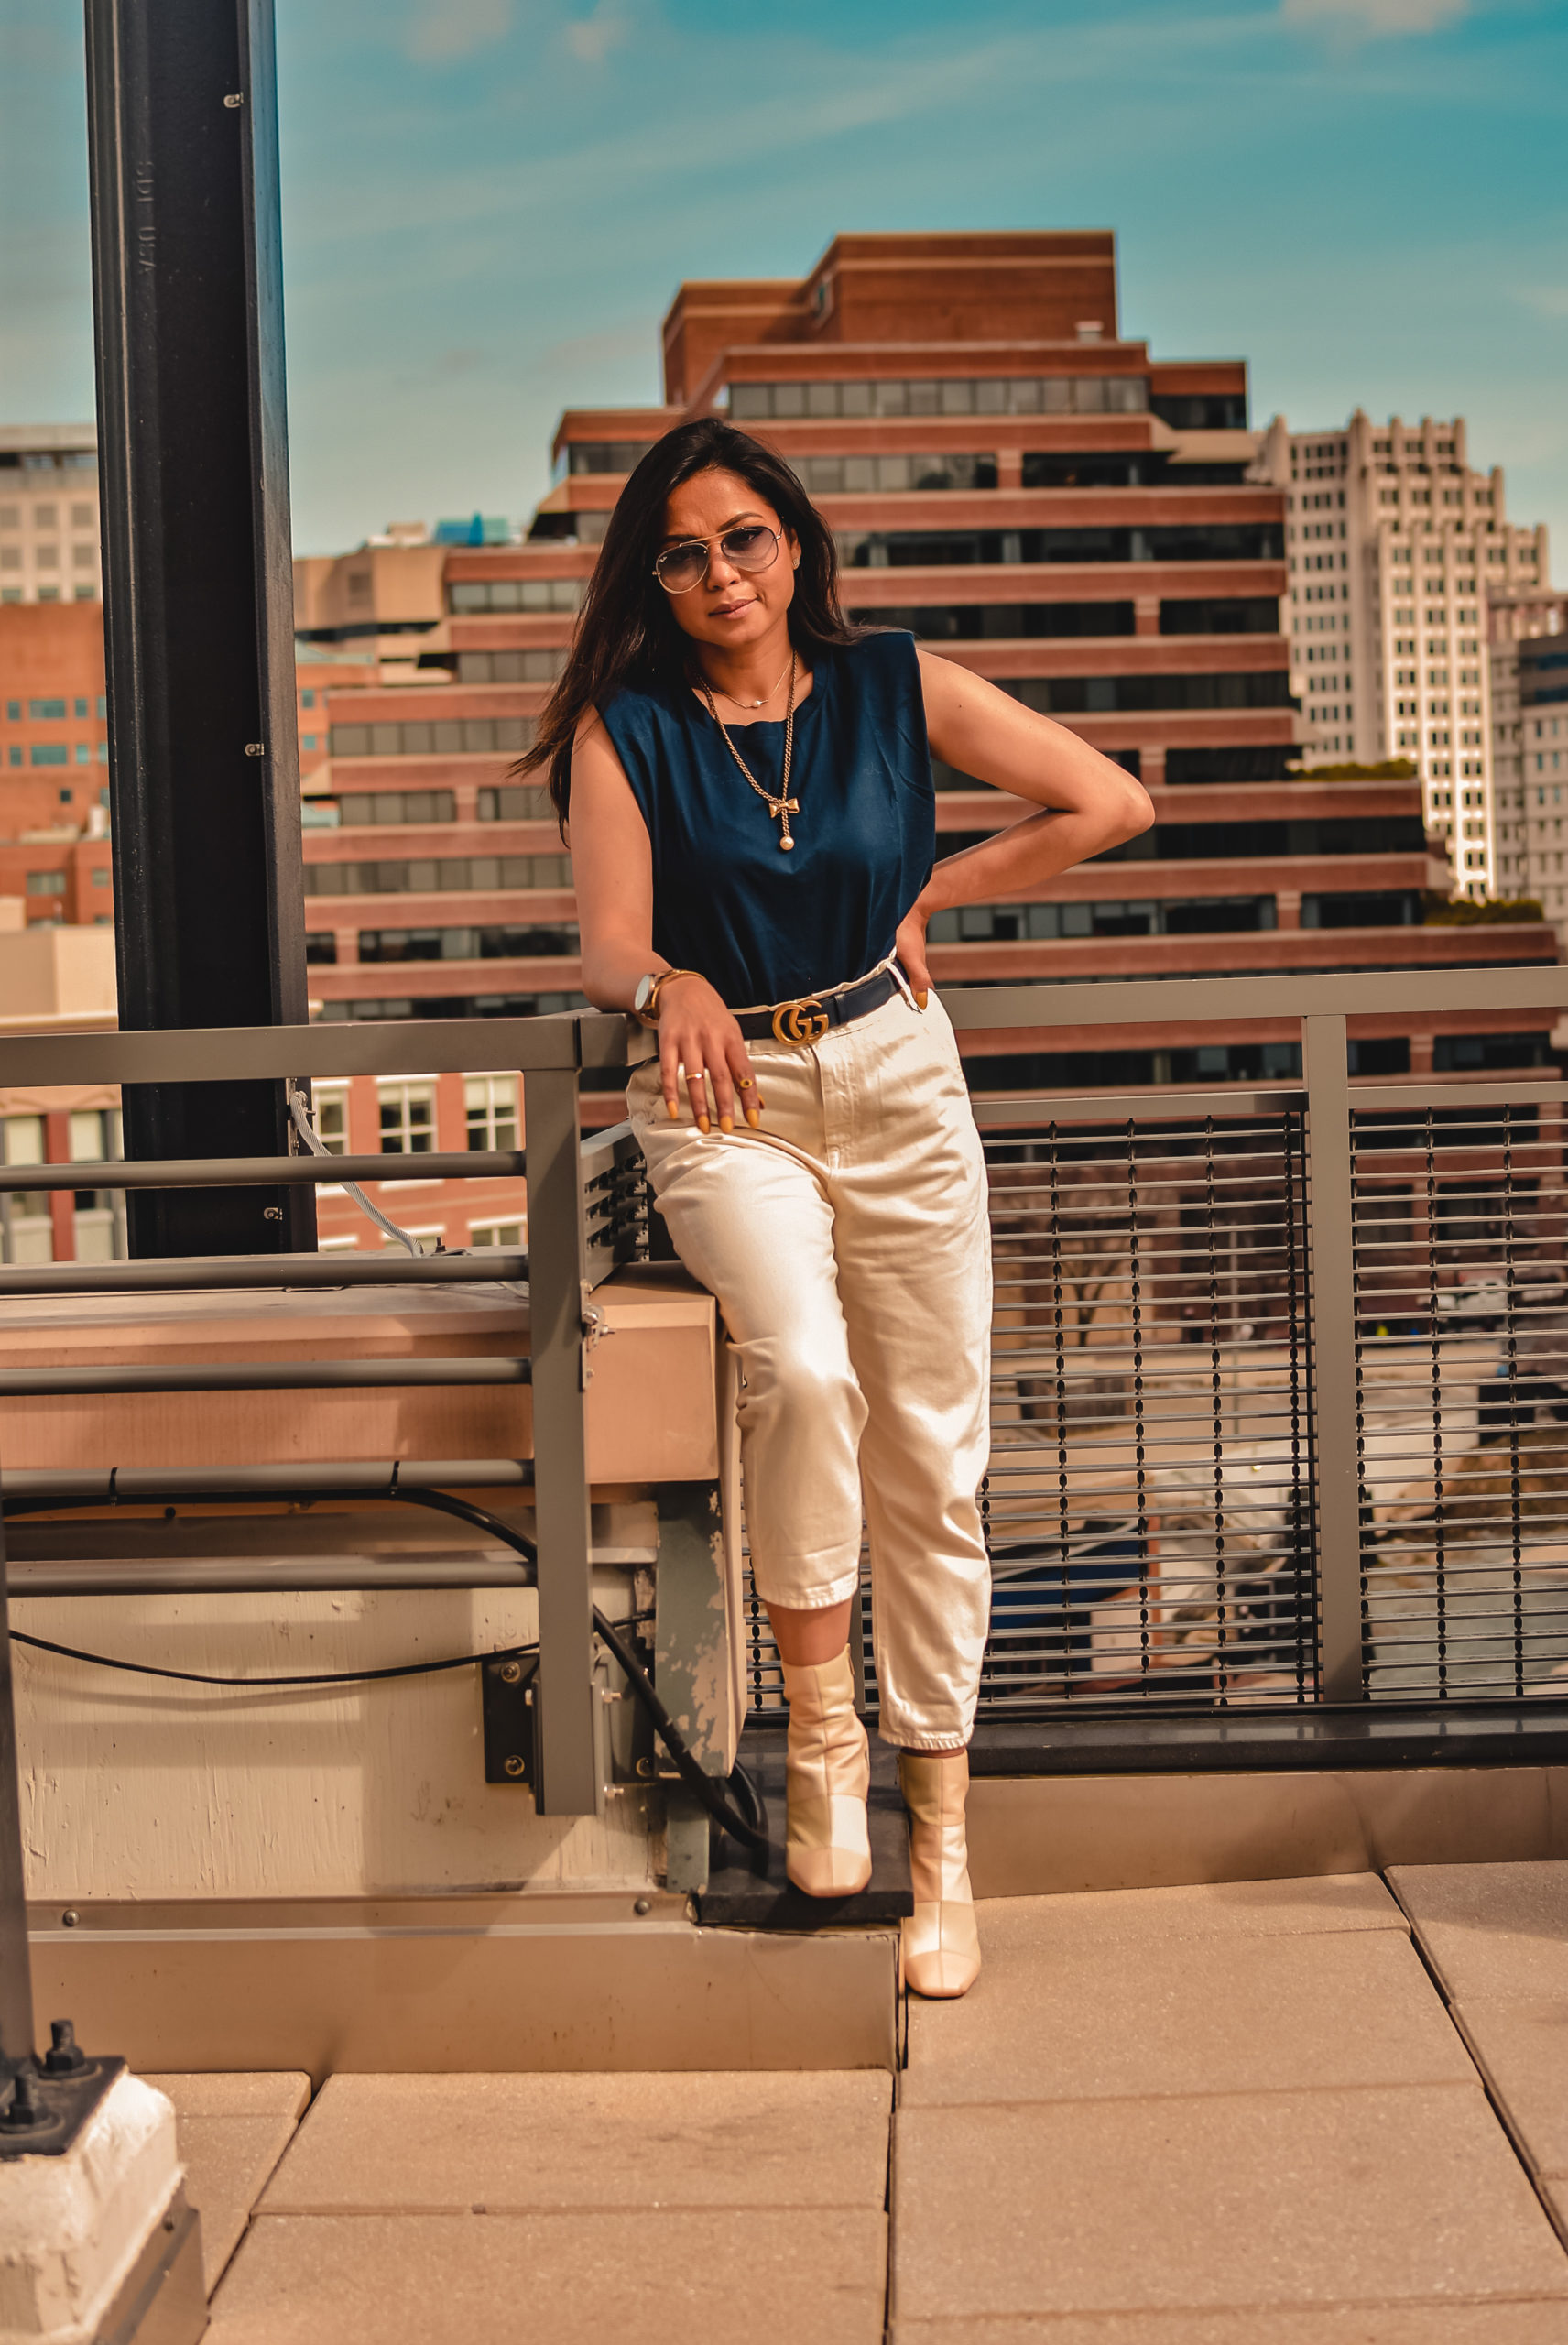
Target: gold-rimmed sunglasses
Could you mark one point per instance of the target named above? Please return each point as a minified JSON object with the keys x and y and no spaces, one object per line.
{"x":751,"y":546}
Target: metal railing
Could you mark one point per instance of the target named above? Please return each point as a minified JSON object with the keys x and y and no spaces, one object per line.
{"x":586,"y":1213}
{"x":1279,"y":1375}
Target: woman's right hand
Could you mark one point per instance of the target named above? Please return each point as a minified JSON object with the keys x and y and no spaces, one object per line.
{"x":700,"y":1043}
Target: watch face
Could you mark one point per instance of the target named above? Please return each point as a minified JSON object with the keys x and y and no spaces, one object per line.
{"x":639,"y":998}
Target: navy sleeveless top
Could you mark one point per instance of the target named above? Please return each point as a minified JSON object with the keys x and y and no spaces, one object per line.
{"x":760,"y":925}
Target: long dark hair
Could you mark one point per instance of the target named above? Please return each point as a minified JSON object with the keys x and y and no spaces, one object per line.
{"x":627,"y":634}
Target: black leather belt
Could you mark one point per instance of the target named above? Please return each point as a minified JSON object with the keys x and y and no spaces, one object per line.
{"x":807,"y":1019}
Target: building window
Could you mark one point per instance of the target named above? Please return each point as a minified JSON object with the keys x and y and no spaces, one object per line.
{"x":407,"y":1115}
{"x":329,"y":1104}
{"x":516,"y":593}
{"x":496,"y":1232}
{"x":46,"y":883}
{"x":396,"y":806}
{"x":490,"y":1105}
{"x":43,"y":711}
{"x":992,"y":395}
{"x":454,"y":736}
{"x":48,"y":753}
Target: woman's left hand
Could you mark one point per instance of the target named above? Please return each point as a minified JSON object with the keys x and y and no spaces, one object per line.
{"x":910,"y":945}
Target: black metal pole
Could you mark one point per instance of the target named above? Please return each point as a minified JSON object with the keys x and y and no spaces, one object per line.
{"x":203,"y":762}
{"x":15,"y":1965}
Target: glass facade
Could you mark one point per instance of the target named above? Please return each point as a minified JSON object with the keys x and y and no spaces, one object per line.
{"x":1139,"y":468}
{"x":946,"y":395}
{"x":531,"y":667}
{"x":983,"y":622}
{"x":357,"y":806}
{"x":605,"y":455}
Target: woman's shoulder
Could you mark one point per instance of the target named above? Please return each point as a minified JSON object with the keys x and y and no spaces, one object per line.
{"x":883,"y":660}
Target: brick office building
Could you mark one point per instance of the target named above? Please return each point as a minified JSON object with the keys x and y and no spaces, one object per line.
{"x":1064,"y":514}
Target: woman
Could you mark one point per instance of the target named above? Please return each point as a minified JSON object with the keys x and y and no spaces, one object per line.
{"x":752,"y":827}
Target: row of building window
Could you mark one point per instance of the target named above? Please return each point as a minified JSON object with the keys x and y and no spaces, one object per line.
{"x":533,"y":666}
{"x":941,"y":548}
{"x":985,"y":622}
{"x":1193,"y":916}
{"x":504,"y":943}
{"x":955,"y":394}
{"x":440,"y":738}
{"x":452,"y":1005}
{"x":58,"y":753}
{"x":429,"y":875}
{"x":522,"y":802}
{"x":47,"y":516}
{"x":1090,"y":696}
{"x":472,"y":594}
{"x":58,"y":709}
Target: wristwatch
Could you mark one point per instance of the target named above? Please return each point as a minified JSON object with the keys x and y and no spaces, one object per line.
{"x":645,"y":1000}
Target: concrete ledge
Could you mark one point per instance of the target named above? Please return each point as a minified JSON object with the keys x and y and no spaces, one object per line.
{"x":487,"y":1984}
{"x":1030,"y":1836}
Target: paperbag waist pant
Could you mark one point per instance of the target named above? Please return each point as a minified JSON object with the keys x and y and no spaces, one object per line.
{"x":848,"y":1245}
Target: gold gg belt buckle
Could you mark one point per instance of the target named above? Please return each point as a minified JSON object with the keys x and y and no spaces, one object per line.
{"x":800,"y":1022}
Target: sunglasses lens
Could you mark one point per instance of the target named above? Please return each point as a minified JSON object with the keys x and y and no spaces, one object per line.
{"x":680,"y":567}
{"x":752,"y":547}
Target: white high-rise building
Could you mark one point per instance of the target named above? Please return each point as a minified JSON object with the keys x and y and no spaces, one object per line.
{"x":49,"y":514}
{"x":1394,"y":546}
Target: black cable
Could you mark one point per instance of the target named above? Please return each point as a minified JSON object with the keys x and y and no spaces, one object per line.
{"x":313,"y":1677}
{"x":750,"y":1830}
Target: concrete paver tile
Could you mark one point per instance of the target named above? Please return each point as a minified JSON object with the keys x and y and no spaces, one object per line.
{"x":439,"y":2145}
{"x":813,"y":2277}
{"x":227,"y":2161}
{"x":1540,"y":2323}
{"x":1234,"y":1909}
{"x":1053,"y":2021}
{"x":1490,"y":1929}
{"x":1221,"y":2200}
{"x":1523,"y":2050}
{"x":266,"y":2093}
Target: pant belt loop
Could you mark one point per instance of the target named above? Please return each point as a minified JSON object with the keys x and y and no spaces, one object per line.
{"x":903,"y":984}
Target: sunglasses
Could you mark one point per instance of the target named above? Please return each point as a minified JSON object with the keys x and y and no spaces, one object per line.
{"x":752,"y":546}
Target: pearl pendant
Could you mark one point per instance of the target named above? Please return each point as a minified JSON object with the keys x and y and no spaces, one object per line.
{"x":786,"y":847}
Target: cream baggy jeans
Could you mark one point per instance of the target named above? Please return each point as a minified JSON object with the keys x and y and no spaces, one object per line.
{"x":848,"y":1244}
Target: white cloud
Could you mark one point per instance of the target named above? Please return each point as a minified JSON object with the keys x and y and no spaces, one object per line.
{"x":591,"y":37}
{"x":1546,"y":300}
{"x":440,"y":31}
{"x":1370,"y":19}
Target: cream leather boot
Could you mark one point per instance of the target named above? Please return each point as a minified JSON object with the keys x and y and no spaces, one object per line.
{"x":941,"y":1943}
{"x":827,"y":1850}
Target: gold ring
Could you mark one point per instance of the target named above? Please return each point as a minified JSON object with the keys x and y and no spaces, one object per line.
{"x":742,"y":1083}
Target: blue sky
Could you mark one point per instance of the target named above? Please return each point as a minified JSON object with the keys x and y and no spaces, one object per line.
{"x":489,"y":203}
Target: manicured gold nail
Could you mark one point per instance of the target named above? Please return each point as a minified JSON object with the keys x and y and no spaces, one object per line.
{"x":753,"y":1117}
{"x":726,"y":1123}
{"x":921,"y":999}
{"x":674,"y":1107}
{"x":703,"y":1124}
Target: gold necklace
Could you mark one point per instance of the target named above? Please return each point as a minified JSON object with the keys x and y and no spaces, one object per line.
{"x":766,"y":697}
{"x":783,"y":806}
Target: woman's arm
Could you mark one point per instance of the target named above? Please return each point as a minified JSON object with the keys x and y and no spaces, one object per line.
{"x":1090,"y":803}
{"x":611,"y":869}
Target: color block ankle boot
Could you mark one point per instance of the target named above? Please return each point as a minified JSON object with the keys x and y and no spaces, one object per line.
{"x":827,"y":1774}
{"x":941,"y":1944}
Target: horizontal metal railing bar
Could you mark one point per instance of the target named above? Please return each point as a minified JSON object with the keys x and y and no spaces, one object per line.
{"x":1122,"y":1106}
{"x":288,"y":1576}
{"x":562,"y":1040}
{"x":491,"y":1265}
{"x":1171,"y":1001}
{"x":1381,"y":1099}
{"x":246,"y":1172}
{"x":147,"y":1485}
{"x":241,"y":1376}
